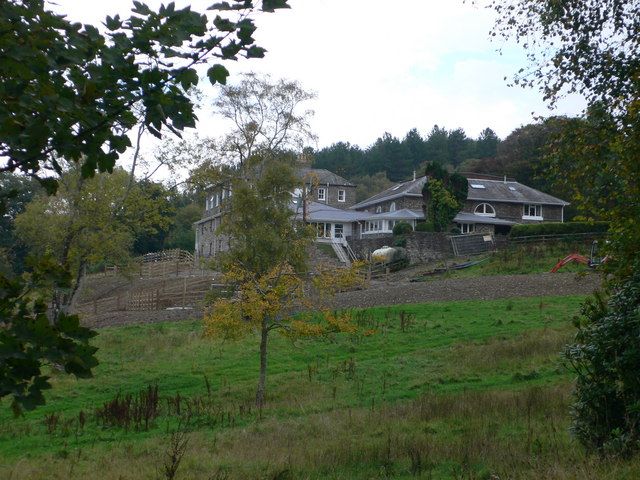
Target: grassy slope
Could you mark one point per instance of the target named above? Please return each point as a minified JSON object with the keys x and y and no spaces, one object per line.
{"x":467,"y":389}
{"x":523,"y":259}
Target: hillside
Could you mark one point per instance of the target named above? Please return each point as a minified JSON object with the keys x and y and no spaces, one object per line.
{"x":465,"y":389}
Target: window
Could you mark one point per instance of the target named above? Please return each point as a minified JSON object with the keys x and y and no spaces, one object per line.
{"x":324,"y":230}
{"x":378,"y":209}
{"x":532,"y":212}
{"x":338,"y":230}
{"x":392,"y":207}
{"x":341,"y":195}
{"x":478,"y":186}
{"x":224,"y":193}
{"x":217,"y":199}
{"x":391,"y":224}
{"x":467,"y":228}
{"x":322,"y":194}
{"x":485,"y":210}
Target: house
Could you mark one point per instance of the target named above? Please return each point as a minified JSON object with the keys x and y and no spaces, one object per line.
{"x":493,"y":206}
{"x":328,"y":201}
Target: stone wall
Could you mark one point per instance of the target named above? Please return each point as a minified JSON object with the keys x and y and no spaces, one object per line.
{"x":513,"y":211}
{"x":422,"y":247}
{"x":331,"y":195}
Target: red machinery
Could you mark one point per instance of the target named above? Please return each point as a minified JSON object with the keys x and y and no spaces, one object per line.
{"x":591,"y":262}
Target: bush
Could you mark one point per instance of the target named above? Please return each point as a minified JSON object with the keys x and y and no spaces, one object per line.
{"x":605,"y":356}
{"x":402,"y":228}
{"x":425,"y":227}
{"x":557,"y":228}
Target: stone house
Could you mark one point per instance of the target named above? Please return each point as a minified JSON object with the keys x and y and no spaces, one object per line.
{"x":328,"y":199}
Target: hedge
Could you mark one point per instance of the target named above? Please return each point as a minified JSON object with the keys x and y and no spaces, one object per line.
{"x":557,"y":228}
{"x":424,"y":227}
{"x":402,"y":228}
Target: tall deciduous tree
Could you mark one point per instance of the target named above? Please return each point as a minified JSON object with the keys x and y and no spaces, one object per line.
{"x":267,"y":262}
{"x":593,"y":47}
{"x":266,"y":115}
{"x":70,"y":91}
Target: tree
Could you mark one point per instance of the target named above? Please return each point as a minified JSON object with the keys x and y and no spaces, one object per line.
{"x":437,"y":145}
{"x":591,"y":47}
{"x":71,"y":92}
{"x":18,"y":191}
{"x":267,"y":262}
{"x":444,"y":196}
{"x":368,"y":185}
{"x":342,"y":158}
{"x":90,"y":221}
{"x":390,"y":155}
{"x":588,"y":46}
{"x":416,"y":146}
{"x":487,"y":144}
{"x":267,"y":116}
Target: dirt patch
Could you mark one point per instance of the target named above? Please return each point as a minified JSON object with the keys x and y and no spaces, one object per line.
{"x":473,"y":288}
{"x":398,"y":292}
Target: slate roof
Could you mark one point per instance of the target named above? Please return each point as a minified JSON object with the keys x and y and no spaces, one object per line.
{"x":412,"y":188}
{"x":324,"y":176}
{"x":319,"y":212}
{"x":402,"y":214}
{"x":509,"y":192}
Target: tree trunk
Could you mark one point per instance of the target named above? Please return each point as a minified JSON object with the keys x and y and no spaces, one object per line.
{"x":260,"y":393}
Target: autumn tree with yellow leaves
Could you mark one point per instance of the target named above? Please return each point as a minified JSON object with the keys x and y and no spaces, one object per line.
{"x":267,"y":265}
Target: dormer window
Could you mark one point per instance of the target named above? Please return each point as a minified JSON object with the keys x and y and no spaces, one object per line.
{"x":485,"y":210}
{"x":322,"y":194}
{"x":341,"y":195}
{"x":392,"y":207}
{"x":378,"y":209}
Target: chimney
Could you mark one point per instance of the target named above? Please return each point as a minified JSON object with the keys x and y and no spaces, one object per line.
{"x":414,"y":175}
{"x":505,"y":179}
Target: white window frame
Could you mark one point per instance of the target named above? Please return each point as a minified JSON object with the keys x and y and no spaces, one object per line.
{"x":379,"y":209}
{"x":322,"y":194}
{"x":342,"y":196}
{"x":528,"y":208}
{"x":217,"y":199}
{"x":466,"y":228}
{"x":392,"y":207}
{"x":338,"y":230}
{"x":484,"y":211}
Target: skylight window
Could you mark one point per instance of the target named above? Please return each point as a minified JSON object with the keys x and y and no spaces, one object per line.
{"x":477,"y":185}
{"x":513,"y":189}
{"x":397,"y":186}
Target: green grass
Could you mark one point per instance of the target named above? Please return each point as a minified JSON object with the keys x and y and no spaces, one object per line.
{"x":466,"y":389}
{"x":523,"y":259}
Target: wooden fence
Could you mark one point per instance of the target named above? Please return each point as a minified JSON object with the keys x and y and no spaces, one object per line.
{"x":184,"y":293}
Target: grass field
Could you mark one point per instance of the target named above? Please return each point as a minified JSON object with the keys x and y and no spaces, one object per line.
{"x":467,"y":390}
{"x":523,"y":259}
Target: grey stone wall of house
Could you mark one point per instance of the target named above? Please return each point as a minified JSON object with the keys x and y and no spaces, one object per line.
{"x":332,"y":196}
{"x":411,"y":203}
{"x":513,"y":211}
{"x":422,"y":247}
{"x":209,"y":243}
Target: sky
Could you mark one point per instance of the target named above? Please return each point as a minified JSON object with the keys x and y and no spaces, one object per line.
{"x":378,"y":66}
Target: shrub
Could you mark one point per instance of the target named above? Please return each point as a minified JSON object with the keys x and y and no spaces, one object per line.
{"x":605,"y":356}
{"x":402,"y":228}
{"x":557,"y":228}
{"x":424,"y":227}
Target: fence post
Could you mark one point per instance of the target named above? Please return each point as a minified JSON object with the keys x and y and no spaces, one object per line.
{"x":184,"y":292}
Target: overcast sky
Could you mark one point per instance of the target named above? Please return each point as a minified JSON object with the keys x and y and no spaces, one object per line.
{"x":379,"y":66}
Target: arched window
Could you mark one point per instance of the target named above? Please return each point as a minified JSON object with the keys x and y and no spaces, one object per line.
{"x":392,"y":207}
{"x":485,"y":210}
{"x":378,"y":209}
